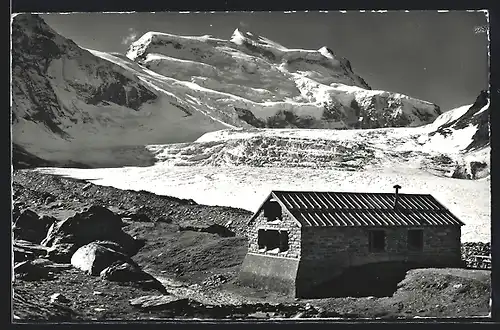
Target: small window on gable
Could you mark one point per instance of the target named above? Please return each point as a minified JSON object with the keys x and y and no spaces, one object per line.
{"x":377,"y":240}
{"x":272,"y":211}
{"x":272,"y":240}
{"x":415,"y":240}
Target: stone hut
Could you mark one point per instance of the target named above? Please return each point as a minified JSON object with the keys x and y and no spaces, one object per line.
{"x":301,"y":239}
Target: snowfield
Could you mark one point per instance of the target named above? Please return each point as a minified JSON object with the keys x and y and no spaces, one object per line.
{"x":246,"y":187}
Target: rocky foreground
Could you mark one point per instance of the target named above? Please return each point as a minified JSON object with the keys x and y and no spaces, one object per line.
{"x":86,"y":252}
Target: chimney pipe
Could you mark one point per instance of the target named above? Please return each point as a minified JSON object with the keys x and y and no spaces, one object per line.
{"x":396,"y":199}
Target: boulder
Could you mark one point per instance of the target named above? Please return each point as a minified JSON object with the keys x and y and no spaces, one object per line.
{"x":93,"y":258}
{"x":137,"y":214}
{"x":131,"y":272}
{"x":58,"y":298}
{"x":28,"y":271}
{"x":31,"y":227}
{"x":22,"y":255}
{"x":93,"y":223}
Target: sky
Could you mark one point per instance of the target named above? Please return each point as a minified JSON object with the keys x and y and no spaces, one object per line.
{"x":440,"y":57}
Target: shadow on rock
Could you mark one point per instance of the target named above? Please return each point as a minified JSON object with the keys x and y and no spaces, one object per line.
{"x":131,"y":273}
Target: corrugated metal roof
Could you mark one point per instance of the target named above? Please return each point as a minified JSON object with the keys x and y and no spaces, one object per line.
{"x":323,"y":209}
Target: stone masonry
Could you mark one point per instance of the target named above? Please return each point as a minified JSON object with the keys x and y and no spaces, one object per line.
{"x":328,"y":251}
{"x":287,"y":223}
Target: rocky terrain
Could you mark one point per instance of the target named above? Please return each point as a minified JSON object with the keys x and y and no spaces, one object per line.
{"x":85,"y":252}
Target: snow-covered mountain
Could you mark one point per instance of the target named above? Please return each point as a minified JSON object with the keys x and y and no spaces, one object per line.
{"x":455,"y":145}
{"x":261,"y":83}
{"x":73,"y":105}
{"x":67,"y":102}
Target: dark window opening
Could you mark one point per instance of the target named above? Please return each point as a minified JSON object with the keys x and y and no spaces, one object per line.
{"x":377,"y":241}
{"x":415,"y":240}
{"x":272,"y":240}
{"x":272,"y":211}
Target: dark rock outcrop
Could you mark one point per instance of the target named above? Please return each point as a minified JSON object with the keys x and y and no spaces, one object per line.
{"x":473,"y":116}
{"x":472,"y":171}
{"x":29,"y":271}
{"x":25,"y":250}
{"x":61,"y":252}
{"x":482,"y":136}
{"x":38,"y":269}
{"x":248,"y":117}
{"x":31,"y":227}
{"x":93,"y":223}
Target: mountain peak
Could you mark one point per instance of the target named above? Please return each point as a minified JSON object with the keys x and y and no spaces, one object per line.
{"x":31,"y":22}
{"x":241,"y":37}
{"x":326,"y":52}
{"x":238,"y":37}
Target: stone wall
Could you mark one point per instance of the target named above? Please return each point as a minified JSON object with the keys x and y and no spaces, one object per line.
{"x":327,"y":251}
{"x":270,"y":270}
{"x":287,"y":223}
